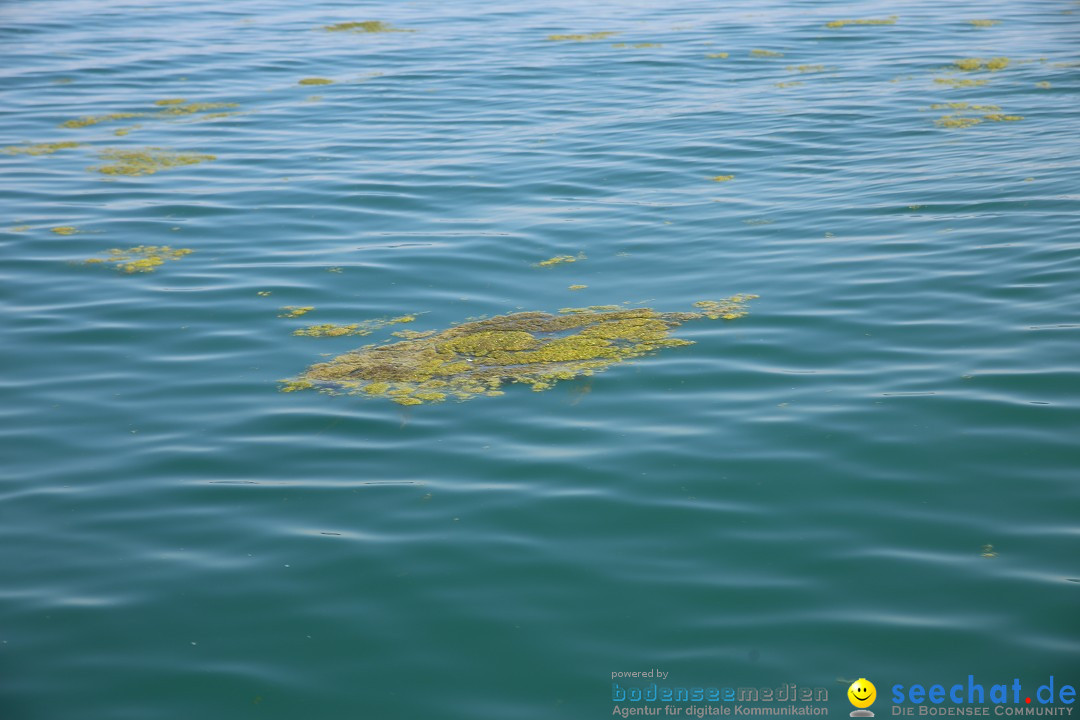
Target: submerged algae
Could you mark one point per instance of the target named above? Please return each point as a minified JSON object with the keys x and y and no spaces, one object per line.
{"x":88,"y":120}
{"x":146,"y":161}
{"x":366,"y":26}
{"x":143,"y":258}
{"x":39,"y":148}
{"x":581,"y":37}
{"x":560,"y":259}
{"x":837,"y":24}
{"x":531,"y":348}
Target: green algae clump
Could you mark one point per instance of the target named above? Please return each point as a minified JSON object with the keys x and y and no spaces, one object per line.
{"x":984,"y":23}
{"x":171,"y":101}
{"x":560,"y":259}
{"x":838,"y":24}
{"x":531,"y":348}
{"x":185,"y":108}
{"x":65,"y":230}
{"x":293,"y":311}
{"x":366,"y":26}
{"x":766,"y":53}
{"x":581,"y":37}
{"x":146,"y":161}
{"x":722,"y":178}
{"x":576,"y":287}
{"x":364,"y":328}
{"x":39,"y":148}
{"x":720,"y":55}
{"x":88,"y":120}
{"x":973,"y":64}
{"x":960,"y":82}
{"x":141,"y":259}
{"x":316,"y":81}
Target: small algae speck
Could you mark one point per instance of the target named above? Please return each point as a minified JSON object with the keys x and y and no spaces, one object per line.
{"x":39,"y":148}
{"x":531,"y":348}
{"x":120,"y":132}
{"x":366,"y":26}
{"x":171,"y":101}
{"x":24,"y":228}
{"x":65,"y":230}
{"x":714,"y":56}
{"x":141,"y":259}
{"x":766,"y":53}
{"x":837,"y":24}
{"x":984,"y":23}
{"x":1045,"y":85}
{"x":722,"y":178}
{"x":581,"y":37}
{"x":316,"y":81}
{"x":576,"y":287}
{"x":792,"y":83}
{"x":263,"y":293}
{"x":146,"y":161}
{"x":560,"y":259}
{"x":805,"y":68}
{"x":294,"y":311}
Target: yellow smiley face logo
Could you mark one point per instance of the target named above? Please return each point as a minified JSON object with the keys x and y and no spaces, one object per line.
{"x":862,"y":693}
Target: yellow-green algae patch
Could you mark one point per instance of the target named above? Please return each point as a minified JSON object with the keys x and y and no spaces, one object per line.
{"x":722,"y":178}
{"x":65,"y":230}
{"x":316,"y":81}
{"x":171,"y":101}
{"x":293,"y":311}
{"x":963,"y":118}
{"x":20,"y":228}
{"x":146,"y":161}
{"x":837,"y":24}
{"x":713,"y":56}
{"x":960,"y":82}
{"x":365,"y":328}
{"x":186,"y":108}
{"x":39,"y":148}
{"x":805,"y":68}
{"x":791,"y":83}
{"x":984,"y":23}
{"x":766,"y":53}
{"x":366,"y":26}
{"x":560,"y":259}
{"x":973,"y":64}
{"x":88,"y":120}
{"x":581,"y":37}
{"x":480,"y":357}
{"x":576,"y":287}
{"x":143,"y":258}
{"x":1043,"y":84}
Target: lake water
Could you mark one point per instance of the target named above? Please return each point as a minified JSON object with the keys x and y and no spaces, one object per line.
{"x":873,"y":474}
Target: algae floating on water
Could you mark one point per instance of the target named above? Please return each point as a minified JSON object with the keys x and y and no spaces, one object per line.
{"x":88,"y":120}
{"x":316,"y":81}
{"x":766,"y":53}
{"x":984,"y":23}
{"x":481,"y":356}
{"x":720,"y":55}
{"x":838,"y":24}
{"x":146,"y":161}
{"x":142,"y":258}
{"x":722,"y":178}
{"x":39,"y":148}
{"x":560,"y":259}
{"x":581,"y":37}
{"x":294,"y":311}
{"x":366,"y":26}
{"x":365,"y":328}
{"x":65,"y":230}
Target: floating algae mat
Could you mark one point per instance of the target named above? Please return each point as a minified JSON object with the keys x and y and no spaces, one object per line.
{"x":367,"y":26}
{"x":146,"y":161}
{"x":39,"y":148}
{"x":144,"y":258}
{"x":531,"y":348}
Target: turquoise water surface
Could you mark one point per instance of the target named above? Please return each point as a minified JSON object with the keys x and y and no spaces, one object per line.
{"x":873,"y":474}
